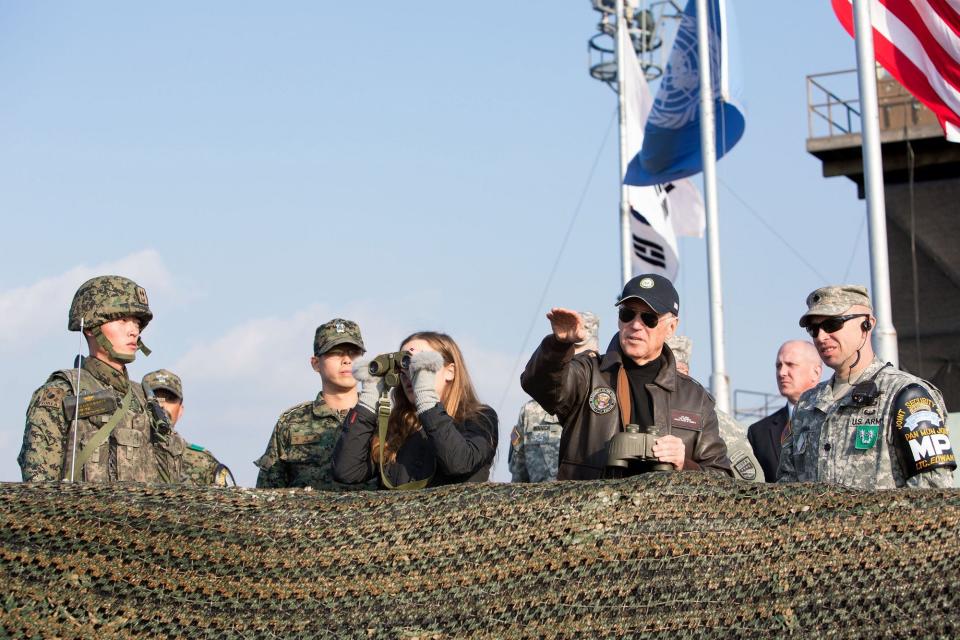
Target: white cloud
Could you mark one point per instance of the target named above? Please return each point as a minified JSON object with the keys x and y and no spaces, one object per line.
{"x":33,"y":312}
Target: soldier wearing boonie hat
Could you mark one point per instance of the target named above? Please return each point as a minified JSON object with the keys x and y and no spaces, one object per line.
{"x":535,"y":440}
{"x":871,"y":425}
{"x":200,"y":467}
{"x":634,"y":383}
{"x":90,"y":423}
{"x":301,"y":445}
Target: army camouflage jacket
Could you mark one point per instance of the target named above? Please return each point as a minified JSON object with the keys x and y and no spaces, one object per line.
{"x":300,"y":450}
{"x":743,"y":462}
{"x":202,"y":469}
{"x":870,"y":444}
{"x":134,"y":452}
{"x":535,"y":445}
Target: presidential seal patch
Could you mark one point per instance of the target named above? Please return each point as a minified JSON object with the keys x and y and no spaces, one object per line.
{"x":646,"y":283}
{"x":602,"y":400}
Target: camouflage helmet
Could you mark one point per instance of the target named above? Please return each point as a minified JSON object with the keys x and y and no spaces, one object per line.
{"x":106,"y":298}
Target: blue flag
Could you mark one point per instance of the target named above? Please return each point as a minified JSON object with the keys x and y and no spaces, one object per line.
{"x":671,"y":141}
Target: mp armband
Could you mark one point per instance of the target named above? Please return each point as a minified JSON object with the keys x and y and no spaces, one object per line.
{"x":920,"y":432}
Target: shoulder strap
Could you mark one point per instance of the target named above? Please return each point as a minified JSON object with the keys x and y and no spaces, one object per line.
{"x":100,"y":436}
{"x":383,"y":417}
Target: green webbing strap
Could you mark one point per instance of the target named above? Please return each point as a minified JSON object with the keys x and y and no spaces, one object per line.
{"x":383,"y":416}
{"x":100,"y":436}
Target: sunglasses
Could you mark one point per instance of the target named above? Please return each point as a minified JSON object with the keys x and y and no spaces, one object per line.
{"x":833,"y":324}
{"x":648,"y":318}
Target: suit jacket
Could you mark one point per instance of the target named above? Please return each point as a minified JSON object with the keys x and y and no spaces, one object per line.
{"x":764,"y":437}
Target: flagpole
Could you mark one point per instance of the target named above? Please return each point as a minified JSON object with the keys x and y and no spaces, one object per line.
{"x":884,"y":334}
{"x":719,"y":382}
{"x":626,"y":244}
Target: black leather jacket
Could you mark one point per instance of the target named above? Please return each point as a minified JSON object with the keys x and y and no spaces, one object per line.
{"x":563,"y":384}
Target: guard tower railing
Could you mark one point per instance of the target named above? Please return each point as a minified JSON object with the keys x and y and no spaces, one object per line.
{"x":833,"y":105}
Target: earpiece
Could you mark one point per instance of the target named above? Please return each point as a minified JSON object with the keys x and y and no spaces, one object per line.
{"x":866,"y":325}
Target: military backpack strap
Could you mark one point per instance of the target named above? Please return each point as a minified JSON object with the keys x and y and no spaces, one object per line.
{"x":101,"y":436}
{"x":383,"y":417}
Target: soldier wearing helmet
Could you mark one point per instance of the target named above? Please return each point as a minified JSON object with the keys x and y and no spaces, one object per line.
{"x":92,"y":423}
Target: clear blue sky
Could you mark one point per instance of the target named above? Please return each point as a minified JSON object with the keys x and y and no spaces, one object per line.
{"x":262,"y":167}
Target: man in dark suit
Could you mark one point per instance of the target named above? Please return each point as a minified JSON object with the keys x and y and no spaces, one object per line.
{"x":798,"y":369}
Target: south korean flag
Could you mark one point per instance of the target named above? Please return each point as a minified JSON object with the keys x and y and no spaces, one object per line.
{"x":658,"y":213}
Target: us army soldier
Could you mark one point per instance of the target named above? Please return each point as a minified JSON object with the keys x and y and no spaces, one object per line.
{"x":870,"y":426}
{"x":300,"y":448}
{"x":535,"y":440}
{"x":742,"y":459}
{"x":200,"y":467}
{"x":114,"y":438}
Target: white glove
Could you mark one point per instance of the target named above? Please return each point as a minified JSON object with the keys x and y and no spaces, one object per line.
{"x":423,"y":369}
{"x":371,"y":387}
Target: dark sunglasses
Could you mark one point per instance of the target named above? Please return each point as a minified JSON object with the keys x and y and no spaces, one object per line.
{"x":833,"y":324}
{"x":649,"y":318}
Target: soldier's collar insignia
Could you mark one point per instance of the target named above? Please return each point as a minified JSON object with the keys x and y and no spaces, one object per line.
{"x":602,"y":400}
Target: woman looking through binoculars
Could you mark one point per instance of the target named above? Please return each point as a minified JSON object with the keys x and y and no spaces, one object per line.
{"x":437,"y":431}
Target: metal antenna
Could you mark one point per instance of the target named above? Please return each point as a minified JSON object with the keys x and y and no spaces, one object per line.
{"x":76,"y":410}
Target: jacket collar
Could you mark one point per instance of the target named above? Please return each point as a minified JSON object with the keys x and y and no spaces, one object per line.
{"x":107,"y":375}
{"x":667,"y":378}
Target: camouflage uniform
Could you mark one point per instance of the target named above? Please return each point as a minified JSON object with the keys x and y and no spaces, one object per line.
{"x":200,"y":467}
{"x":535,"y":445}
{"x":135,"y":449}
{"x":535,"y":440}
{"x":887,"y":430}
{"x":742,"y":459}
{"x":830,"y":436}
{"x":300,"y":450}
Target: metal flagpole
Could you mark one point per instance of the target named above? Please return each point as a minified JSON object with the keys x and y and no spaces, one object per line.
{"x":719,"y":382}
{"x":626,"y":238}
{"x":884,"y":335}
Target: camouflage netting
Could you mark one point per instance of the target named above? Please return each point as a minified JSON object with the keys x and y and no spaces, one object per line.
{"x":672,"y":555}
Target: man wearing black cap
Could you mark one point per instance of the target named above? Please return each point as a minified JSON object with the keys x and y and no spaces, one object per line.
{"x":634,"y":382}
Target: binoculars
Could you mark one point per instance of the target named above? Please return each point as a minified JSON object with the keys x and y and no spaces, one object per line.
{"x":633,"y":449}
{"x":389,"y":365}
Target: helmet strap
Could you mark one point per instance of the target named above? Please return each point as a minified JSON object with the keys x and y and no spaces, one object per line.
{"x":143,"y":347}
{"x":106,"y":345}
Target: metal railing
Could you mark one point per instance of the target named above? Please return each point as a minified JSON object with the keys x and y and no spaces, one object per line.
{"x":830,"y":113}
{"x":750,"y":406}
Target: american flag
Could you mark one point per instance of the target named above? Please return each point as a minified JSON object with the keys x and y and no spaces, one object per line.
{"x":918,"y":42}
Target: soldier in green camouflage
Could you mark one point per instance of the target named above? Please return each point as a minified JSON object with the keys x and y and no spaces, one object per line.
{"x":742,"y":459}
{"x":300,"y":448}
{"x":200,"y":467}
{"x":871,"y":425}
{"x":92,"y":424}
{"x":535,"y":440}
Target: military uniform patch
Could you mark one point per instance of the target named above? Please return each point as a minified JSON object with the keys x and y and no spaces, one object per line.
{"x":340,"y":328}
{"x":745,"y":468}
{"x":602,"y":400}
{"x":142,"y":296}
{"x":646,"y":283}
{"x":866,"y":436}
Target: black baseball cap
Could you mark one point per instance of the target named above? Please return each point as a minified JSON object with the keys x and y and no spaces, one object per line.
{"x":655,"y":290}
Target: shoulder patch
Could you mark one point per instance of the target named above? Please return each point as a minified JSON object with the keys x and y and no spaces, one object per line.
{"x":51,"y":397}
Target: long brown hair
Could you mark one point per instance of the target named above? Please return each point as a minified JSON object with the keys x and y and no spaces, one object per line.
{"x":459,"y":397}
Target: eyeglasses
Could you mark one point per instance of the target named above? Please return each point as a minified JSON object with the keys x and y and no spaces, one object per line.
{"x":832,"y":324}
{"x":649,"y":318}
